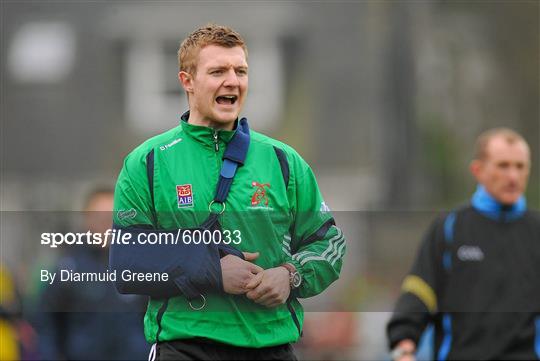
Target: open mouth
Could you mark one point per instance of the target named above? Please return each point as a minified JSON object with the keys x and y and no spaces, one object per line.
{"x":226,"y":99}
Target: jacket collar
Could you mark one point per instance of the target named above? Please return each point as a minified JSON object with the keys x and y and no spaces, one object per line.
{"x":484,"y":203}
{"x":205,"y":135}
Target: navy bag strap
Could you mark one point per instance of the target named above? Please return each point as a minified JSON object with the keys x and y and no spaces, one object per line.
{"x":234,"y":157}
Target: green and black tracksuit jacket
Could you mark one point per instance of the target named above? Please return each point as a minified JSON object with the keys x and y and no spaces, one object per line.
{"x":274,"y":207}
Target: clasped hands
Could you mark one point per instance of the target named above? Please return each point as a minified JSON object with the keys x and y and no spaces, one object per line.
{"x":269,"y":287}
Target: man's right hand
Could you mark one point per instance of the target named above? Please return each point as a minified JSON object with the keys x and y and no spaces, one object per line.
{"x":407,"y":348}
{"x":237,"y":272}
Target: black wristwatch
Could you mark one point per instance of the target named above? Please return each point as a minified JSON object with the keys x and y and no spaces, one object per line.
{"x":295,"y":278}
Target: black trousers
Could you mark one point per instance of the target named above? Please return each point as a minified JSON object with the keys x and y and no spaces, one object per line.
{"x":202,"y":349}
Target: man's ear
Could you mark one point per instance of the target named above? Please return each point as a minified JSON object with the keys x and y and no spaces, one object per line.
{"x":186,"y":80}
{"x":476,"y":169}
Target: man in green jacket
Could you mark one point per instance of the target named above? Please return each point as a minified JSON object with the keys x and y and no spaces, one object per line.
{"x":274,"y":213}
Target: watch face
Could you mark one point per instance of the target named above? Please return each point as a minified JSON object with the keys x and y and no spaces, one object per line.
{"x":296,"y":280}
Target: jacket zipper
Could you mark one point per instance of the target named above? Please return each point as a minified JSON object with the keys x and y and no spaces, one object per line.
{"x":216,"y":149}
{"x":216,"y":141}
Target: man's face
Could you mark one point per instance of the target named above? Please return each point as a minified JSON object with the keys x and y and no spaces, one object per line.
{"x":98,"y":213}
{"x":218,"y":89}
{"x":505,"y":170}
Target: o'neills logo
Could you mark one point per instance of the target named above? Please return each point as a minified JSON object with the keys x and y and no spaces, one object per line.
{"x":470,"y":253}
{"x":260,"y":194}
{"x":123,"y":214}
{"x":167,"y":146}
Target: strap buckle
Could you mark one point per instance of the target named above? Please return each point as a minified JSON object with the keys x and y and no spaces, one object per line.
{"x":199,"y":307}
{"x":222,"y":208}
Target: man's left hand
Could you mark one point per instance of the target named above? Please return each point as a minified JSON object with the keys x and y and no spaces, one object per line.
{"x":270,"y":288}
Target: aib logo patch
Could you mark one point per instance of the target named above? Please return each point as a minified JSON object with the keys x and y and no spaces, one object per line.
{"x":260,"y":194}
{"x":185,"y":195}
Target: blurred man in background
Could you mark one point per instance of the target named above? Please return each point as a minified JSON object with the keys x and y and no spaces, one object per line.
{"x":90,"y":320}
{"x":477,"y":273}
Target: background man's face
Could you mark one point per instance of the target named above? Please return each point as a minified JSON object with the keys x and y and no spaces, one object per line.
{"x":505,"y":170}
{"x":220,"y":85}
{"x":98,"y":214}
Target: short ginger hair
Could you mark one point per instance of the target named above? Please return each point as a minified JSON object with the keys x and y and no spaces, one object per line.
{"x":210,"y":34}
{"x":482,"y":142}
